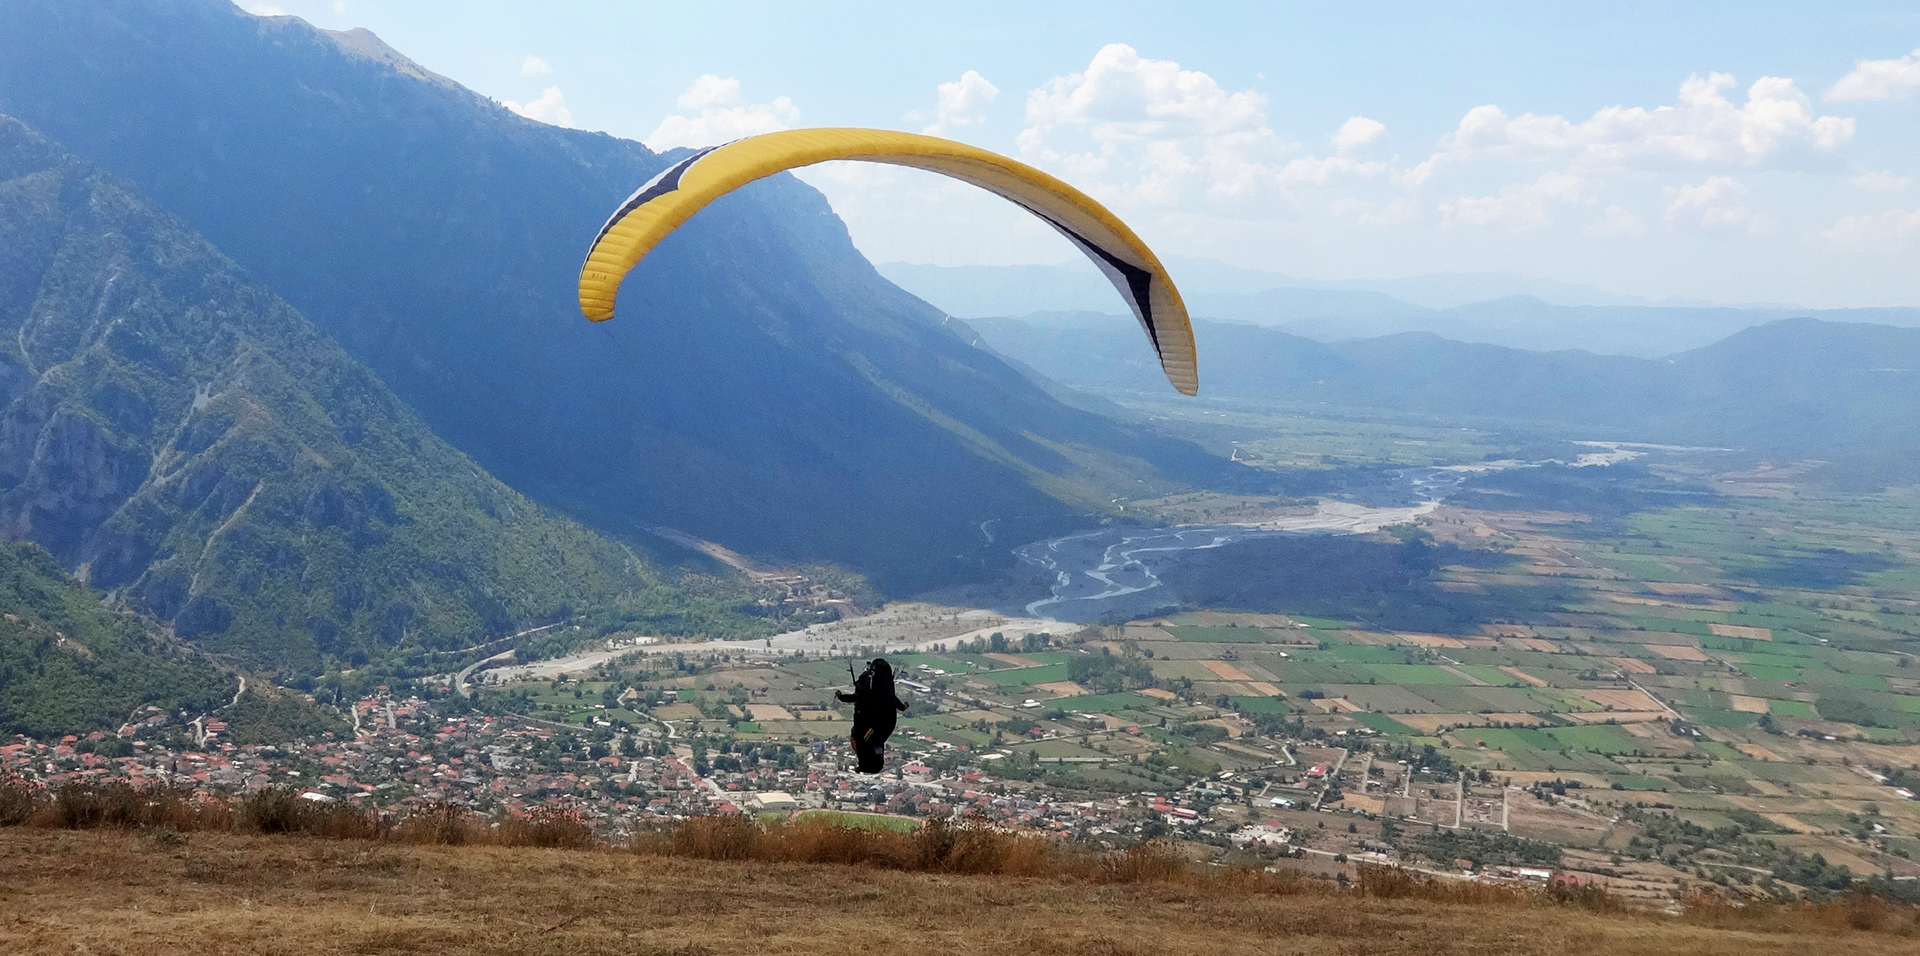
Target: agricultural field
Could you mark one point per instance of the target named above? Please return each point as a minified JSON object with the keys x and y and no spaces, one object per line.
{"x":1564,"y":658}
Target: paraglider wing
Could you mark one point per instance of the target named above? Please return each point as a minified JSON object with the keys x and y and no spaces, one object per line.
{"x":671,"y":198}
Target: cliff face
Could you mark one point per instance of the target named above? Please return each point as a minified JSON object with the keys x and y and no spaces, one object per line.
{"x":185,"y":440}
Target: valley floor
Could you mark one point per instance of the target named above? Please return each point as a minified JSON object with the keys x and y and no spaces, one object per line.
{"x":119,"y":892}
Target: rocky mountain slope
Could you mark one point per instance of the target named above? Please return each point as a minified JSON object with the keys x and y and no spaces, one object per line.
{"x":183,"y":439}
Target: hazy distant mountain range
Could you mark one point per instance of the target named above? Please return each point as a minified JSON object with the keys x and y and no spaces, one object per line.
{"x":764,"y":386}
{"x":1496,"y":309}
{"x":1801,"y":386}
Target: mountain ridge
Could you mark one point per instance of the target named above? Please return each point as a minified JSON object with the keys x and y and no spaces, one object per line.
{"x":765,"y":388}
{"x":1521,"y":316}
{"x":1800,"y":384}
{"x":187,"y":442}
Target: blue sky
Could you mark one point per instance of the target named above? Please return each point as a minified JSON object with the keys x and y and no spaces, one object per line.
{"x":1752,"y":152}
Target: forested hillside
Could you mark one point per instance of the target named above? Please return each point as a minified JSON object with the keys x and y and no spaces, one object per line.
{"x":763,"y":387}
{"x":185,"y":440}
{"x":70,"y":665}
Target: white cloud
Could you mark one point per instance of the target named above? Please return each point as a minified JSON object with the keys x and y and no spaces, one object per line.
{"x":1718,"y":202}
{"x":1881,"y":182}
{"x":1891,"y":227}
{"x":1878,"y":80}
{"x":1150,"y":131}
{"x":1358,"y":134}
{"x":963,"y":102}
{"x":1522,"y":207}
{"x":1775,"y":126}
{"x":550,"y":108}
{"x":534,"y":66}
{"x":720,"y":116}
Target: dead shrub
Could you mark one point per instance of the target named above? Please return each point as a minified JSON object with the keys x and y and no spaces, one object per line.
{"x":1389,"y":882}
{"x":439,"y":824}
{"x":86,"y":805}
{"x":19,"y":798}
{"x":1150,"y":862}
{"x":554,"y":828}
{"x":1591,"y":897}
{"x":273,"y":810}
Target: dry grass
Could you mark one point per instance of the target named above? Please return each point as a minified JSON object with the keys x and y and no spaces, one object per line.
{"x":123,"y":891}
{"x":159,"y":870}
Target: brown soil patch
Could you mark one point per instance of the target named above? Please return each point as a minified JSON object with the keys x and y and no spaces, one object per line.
{"x":1214,"y":688}
{"x":1518,"y":674}
{"x":1343,"y":705}
{"x":1014,"y":659}
{"x":1158,"y":694}
{"x":1267,"y":690}
{"x":1632,"y":665}
{"x":1366,"y":637}
{"x":1758,"y":752}
{"x":1679,"y":652}
{"x":1062,"y":688}
{"x":1225,"y":671}
{"x":1233,"y":727}
{"x":1617,"y":716}
{"x":677,"y":712}
{"x":1621,"y":699}
{"x":1430,"y":724}
{"x":769,"y":712}
{"x":1433,"y":640}
{"x":1742,"y":631}
{"x":1638,"y":600}
{"x":1536,"y":644}
{"x":1678,"y":589}
{"x":1750,"y":705}
{"x":1364,"y":804}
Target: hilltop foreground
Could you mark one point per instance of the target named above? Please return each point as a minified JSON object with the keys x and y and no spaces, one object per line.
{"x":122,"y":892}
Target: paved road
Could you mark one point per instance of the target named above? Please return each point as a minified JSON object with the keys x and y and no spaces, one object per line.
{"x":460,"y":679}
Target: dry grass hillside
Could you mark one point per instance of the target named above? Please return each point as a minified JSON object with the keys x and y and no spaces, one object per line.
{"x":159,"y":891}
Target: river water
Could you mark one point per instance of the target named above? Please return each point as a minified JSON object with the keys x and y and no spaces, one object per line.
{"x":1112,"y":573}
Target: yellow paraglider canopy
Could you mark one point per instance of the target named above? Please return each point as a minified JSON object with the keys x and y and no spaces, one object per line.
{"x":671,"y":198}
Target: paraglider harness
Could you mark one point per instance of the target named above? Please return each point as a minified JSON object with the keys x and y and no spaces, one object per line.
{"x":875,"y":708}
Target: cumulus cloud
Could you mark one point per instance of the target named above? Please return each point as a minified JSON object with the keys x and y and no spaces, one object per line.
{"x":1151,"y":130}
{"x":550,"y":108}
{"x":1892,"y":227}
{"x":1522,"y":207}
{"x":963,"y":102}
{"x":1881,"y":182}
{"x":719,"y":116}
{"x":1358,"y":134}
{"x":1775,"y":126}
{"x":1718,"y":202}
{"x":534,"y":66}
{"x":1878,"y":80}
